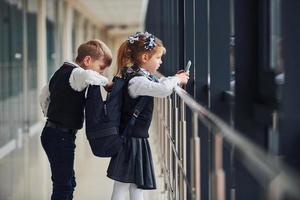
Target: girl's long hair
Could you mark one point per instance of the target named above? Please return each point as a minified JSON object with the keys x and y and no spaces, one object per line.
{"x":129,"y":54}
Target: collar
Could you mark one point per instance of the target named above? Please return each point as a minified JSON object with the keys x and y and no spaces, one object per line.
{"x":71,"y":63}
{"x":145,"y":71}
{"x":148,"y":75}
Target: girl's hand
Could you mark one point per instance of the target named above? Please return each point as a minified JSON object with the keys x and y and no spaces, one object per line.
{"x":183,"y":77}
{"x":180,"y":71}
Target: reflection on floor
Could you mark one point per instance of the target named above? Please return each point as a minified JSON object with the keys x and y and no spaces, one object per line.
{"x":25,"y":173}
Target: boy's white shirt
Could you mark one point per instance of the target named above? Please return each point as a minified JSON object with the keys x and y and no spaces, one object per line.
{"x":79,"y":80}
{"x":142,"y":86}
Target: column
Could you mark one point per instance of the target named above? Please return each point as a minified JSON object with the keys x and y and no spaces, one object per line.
{"x":79,"y":36}
{"x":41,"y":48}
{"x":67,"y":33}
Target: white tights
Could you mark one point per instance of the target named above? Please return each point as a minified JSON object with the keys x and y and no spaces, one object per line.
{"x":120,"y":190}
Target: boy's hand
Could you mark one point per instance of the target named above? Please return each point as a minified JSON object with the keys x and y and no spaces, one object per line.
{"x":183,"y":77}
{"x":94,"y":78}
{"x":108,"y":86}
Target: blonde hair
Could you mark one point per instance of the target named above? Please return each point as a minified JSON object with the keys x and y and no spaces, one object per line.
{"x":130,"y":53}
{"x":96,"y":49}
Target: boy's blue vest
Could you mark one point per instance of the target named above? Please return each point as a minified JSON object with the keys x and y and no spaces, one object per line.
{"x":66,"y":105}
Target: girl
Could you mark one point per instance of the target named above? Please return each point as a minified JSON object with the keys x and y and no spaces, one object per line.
{"x":138,"y":58}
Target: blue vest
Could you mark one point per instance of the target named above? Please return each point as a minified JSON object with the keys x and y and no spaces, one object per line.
{"x":143,"y":121}
{"x":66,"y":105}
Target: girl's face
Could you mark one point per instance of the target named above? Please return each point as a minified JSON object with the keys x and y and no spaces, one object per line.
{"x":152,"y":63}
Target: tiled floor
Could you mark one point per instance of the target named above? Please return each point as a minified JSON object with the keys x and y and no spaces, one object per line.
{"x":92,"y":182}
{"x":25,"y":173}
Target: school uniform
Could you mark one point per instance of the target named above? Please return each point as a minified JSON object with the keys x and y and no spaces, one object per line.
{"x":62,"y":102}
{"x":133,"y":164}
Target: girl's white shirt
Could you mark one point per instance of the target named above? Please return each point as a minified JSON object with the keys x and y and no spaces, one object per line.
{"x":79,"y":80}
{"x":142,"y":86}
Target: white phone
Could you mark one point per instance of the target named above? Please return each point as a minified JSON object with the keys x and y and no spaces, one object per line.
{"x":187,"y":67}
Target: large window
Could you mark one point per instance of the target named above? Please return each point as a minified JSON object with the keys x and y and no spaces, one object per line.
{"x":11,"y":68}
{"x":18,"y":105}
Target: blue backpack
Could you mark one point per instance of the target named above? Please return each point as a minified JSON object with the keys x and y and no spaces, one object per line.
{"x":103,"y":119}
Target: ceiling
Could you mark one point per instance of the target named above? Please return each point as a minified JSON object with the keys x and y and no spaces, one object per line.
{"x":120,"y":14}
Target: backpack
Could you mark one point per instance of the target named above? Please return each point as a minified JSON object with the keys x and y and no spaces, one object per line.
{"x":103,"y":118}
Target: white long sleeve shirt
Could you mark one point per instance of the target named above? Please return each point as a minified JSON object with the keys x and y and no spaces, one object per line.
{"x":79,"y":80}
{"x":142,"y":86}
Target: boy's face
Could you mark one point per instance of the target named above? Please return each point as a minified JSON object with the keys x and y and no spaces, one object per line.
{"x":98,"y":65}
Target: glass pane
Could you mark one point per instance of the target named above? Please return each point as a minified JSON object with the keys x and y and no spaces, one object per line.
{"x":32,"y":61}
{"x":51,"y":29}
{"x":276,"y":59}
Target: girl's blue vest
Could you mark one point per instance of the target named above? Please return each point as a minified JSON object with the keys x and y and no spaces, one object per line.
{"x":143,"y":122}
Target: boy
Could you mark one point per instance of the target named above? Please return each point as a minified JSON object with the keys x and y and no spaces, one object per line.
{"x":62,"y":102}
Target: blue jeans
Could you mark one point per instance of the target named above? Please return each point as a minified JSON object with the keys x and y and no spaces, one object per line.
{"x":60,"y":146}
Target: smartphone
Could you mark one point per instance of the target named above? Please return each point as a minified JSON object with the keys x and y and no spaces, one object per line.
{"x":187,"y":67}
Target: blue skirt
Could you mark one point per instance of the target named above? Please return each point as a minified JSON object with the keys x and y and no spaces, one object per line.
{"x":133,"y":164}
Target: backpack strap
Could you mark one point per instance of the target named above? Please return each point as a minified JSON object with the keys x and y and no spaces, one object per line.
{"x":137,"y":110}
{"x":139,"y":107}
{"x":128,"y":73}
